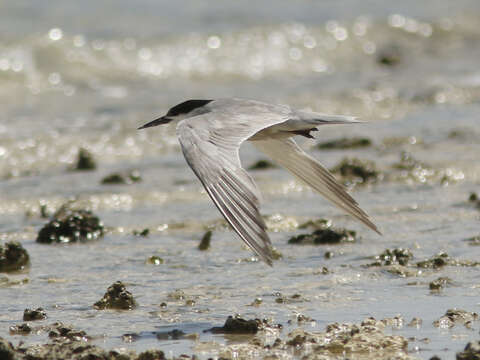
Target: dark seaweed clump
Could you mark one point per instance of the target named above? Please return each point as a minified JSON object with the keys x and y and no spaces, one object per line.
{"x":32,"y":315}
{"x":345,"y":143}
{"x":69,"y":225}
{"x":357,"y":171}
{"x":120,"y":178}
{"x":471,"y":351}
{"x":205,"y":242}
{"x":237,"y":325}
{"x":262,"y":165}
{"x":85,"y":161}
{"x":473,"y":198}
{"x":13,"y":257}
{"x":116,"y":297}
{"x":398,"y":256}
{"x":389,"y":56}
{"x":325,"y":236}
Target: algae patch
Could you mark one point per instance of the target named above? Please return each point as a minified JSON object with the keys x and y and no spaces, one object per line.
{"x":345,"y":143}
{"x":356,"y":171}
{"x":71,"y":225}
{"x":116,"y":297}
{"x":13,"y":257}
{"x":205,"y":242}
{"x":122,"y":178}
{"x":85,"y":161}
{"x":32,"y":315}
{"x":325,"y":237}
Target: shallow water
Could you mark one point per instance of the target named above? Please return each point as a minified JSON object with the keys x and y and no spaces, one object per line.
{"x":71,"y":79}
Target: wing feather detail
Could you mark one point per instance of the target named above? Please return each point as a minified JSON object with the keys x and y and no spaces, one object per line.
{"x":289,"y":155}
{"x":215,"y":161}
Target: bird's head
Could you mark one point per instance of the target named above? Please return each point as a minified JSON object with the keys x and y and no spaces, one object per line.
{"x":181,"y":111}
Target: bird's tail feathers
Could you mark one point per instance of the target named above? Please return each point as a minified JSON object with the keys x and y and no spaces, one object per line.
{"x":324,"y":119}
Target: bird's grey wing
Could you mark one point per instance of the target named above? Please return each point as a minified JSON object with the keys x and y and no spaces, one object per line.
{"x":210,"y":145}
{"x":287,"y":153}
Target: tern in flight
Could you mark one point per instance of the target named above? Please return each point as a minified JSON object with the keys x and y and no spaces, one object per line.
{"x":211,"y":133}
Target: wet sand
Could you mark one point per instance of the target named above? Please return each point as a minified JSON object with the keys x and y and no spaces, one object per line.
{"x":411,"y":293}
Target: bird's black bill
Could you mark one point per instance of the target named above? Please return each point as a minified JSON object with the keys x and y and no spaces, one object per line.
{"x":160,"y":121}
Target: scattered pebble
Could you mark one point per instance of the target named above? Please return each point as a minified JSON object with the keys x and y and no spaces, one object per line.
{"x":68,"y":343}
{"x":145,"y":232}
{"x":356,"y":171}
{"x":85,"y":161}
{"x":71,"y":225}
{"x":205,"y":242}
{"x":154,"y":260}
{"x":122,"y":178}
{"x":398,"y":256}
{"x":37,"y":314}
{"x":474,"y":240}
{"x":442,"y":259}
{"x":456,"y":317}
{"x":116,"y":297}
{"x":348,"y":339}
{"x":262,"y":165}
{"x":13,"y":257}
{"x":345,"y":143}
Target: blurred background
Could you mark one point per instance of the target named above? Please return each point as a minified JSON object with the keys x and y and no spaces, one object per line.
{"x":85,"y":74}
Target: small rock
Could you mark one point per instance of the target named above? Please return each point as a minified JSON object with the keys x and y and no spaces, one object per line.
{"x":71,"y":225}
{"x":23,"y":329}
{"x":7,"y":352}
{"x":154,"y":260}
{"x":357,"y":171}
{"x":471,"y":351}
{"x":415,"y":322}
{"x":454,"y":317}
{"x":345,"y":143}
{"x":205,"y":242}
{"x":151,"y":355}
{"x":440,"y":283}
{"x":237,"y":325}
{"x":130,"y":338}
{"x":175,"y":334}
{"x":13,"y":257}
{"x":262,"y":165}
{"x":85,"y":161}
{"x":122,"y":178}
{"x":116,"y":297}
{"x":326,"y":236}
{"x":31,"y":315}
